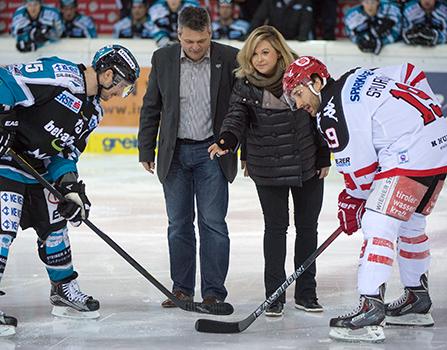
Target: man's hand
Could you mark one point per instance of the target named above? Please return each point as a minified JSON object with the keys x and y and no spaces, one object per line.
{"x":149,"y":166}
{"x":215,"y":150}
{"x":350,"y":212}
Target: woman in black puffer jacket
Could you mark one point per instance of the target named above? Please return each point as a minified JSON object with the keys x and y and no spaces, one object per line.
{"x":284,"y":153}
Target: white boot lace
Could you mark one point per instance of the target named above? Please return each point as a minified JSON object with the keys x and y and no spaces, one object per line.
{"x":400,"y":301}
{"x":73,"y":293}
{"x":356,"y":310}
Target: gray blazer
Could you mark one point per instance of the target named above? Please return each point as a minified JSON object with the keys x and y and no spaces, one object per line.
{"x":161,"y":105}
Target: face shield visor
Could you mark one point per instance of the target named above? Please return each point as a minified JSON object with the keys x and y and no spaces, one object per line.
{"x":123,"y":85}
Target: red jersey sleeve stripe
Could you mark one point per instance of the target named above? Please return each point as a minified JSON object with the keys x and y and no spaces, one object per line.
{"x":366,"y":170}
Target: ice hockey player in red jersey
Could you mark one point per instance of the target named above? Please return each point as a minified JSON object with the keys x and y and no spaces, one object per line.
{"x":389,"y":139}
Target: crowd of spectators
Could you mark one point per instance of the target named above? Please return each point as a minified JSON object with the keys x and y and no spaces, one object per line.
{"x":370,"y":24}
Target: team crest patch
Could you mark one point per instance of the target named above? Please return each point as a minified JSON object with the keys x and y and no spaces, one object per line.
{"x":70,"y":101}
{"x":403,"y":157}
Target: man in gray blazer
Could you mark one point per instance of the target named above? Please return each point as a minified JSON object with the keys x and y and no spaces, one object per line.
{"x":186,"y":100}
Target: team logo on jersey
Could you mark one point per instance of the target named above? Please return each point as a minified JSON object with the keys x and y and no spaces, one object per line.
{"x":70,"y":101}
{"x":403,"y":157}
{"x":329,"y":110}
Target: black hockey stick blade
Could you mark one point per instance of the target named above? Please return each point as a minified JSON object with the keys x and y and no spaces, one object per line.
{"x":213,"y":309}
{"x":213,"y":326}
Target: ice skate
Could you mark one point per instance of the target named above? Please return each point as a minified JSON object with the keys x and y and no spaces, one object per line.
{"x":412,"y":308}
{"x":70,"y":302}
{"x":8,"y":325}
{"x":364,"y":324}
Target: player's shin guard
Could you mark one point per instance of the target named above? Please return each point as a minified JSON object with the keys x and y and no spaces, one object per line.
{"x":55,"y":253}
{"x":364,"y":324}
{"x":70,"y":302}
{"x":412,"y":308}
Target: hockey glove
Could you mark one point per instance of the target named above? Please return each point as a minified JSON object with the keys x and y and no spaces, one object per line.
{"x":7,"y":131}
{"x":382,"y":26}
{"x":6,"y":140}
{"x":25,"y":46}
{"x":39,"y":34}
{"x":369,"y":42}
{"x":350,"y":212}
{"x":76,"y":205}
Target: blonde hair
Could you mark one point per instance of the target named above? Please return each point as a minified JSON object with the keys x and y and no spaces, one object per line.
{"x":275,"y":38}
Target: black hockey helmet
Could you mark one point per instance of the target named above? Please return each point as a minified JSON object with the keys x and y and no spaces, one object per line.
{"x":120,"y":60}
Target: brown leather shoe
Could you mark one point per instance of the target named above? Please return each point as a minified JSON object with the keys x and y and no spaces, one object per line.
{"x":210,"y":300}
{"x":179,"y":295}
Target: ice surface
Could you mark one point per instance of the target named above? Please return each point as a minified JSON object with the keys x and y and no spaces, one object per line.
{"x":128,"y":206}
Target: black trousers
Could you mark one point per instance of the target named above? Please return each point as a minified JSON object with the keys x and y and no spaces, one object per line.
{"x":307,"y":202}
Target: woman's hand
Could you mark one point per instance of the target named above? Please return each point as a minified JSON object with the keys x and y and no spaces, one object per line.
{"x":323,"y":172}
{"x":244,"y":167}
{"x":215,"y":150}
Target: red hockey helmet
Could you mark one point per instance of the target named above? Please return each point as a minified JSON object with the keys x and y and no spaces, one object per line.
{"x":300,"y":72}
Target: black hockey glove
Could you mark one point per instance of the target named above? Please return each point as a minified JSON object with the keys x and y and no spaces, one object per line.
{"x":25,"y":46}
{"x":76,"y":205}
{"x":382,"y":26}
{"x":6,"y":140}
{"x":7,"y":131}
{"x":39,"y":34}
{"x":369,"y":42}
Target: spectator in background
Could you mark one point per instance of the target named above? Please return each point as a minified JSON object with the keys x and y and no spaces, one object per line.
{"x":293,"y":18}
{"x":137,"y":25}
{"x":124,"y":6}
{"x":326,"y":15}
{"x":425,"y":22}
{"x":373,"y":24}
{"x":164,"y":15}
{"x":34,"y":24}
{"x":247,"y":9}
{"x":76,"y":25}
{"x":227,"y":27}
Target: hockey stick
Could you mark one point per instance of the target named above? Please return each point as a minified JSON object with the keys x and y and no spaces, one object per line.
{"x":212,"y":326}
{"x":214,"y":309}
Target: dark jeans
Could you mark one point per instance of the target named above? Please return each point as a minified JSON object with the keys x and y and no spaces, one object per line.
{"x":307,"y":201}
{"x":194,"y":177}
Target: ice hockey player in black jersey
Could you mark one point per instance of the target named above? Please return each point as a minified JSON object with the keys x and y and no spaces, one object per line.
{"x":385,"y":128}
{"x":48,"y":109}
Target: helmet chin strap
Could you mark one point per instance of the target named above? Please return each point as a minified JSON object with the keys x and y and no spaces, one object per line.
{"x":311,"y":88}
{"x":102,"y":87}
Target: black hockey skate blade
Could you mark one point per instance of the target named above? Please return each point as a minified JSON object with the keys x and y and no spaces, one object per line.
{"x":211,"y":326}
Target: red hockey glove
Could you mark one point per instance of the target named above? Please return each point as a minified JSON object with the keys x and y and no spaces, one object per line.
{"x":350,"y":212}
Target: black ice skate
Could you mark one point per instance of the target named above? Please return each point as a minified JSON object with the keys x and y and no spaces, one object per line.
{"x":364,"y":323}
{"x":8,"y":325}
{"x":69,"y":301}
{"x":412,"y":308}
